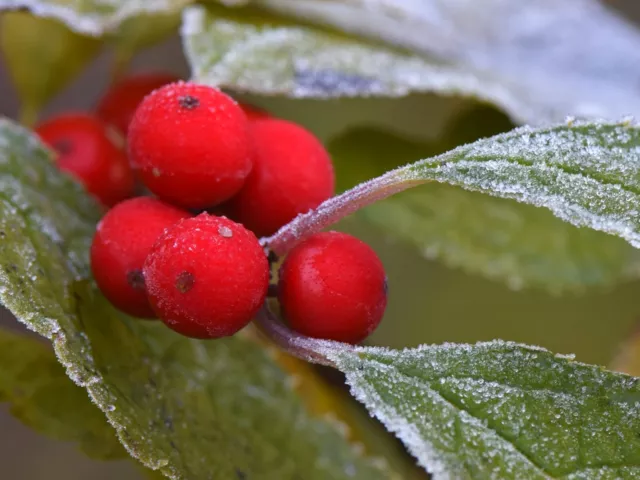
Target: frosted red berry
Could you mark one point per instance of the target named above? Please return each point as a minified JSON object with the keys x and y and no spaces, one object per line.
{"x":86,"y":150}
{"x":207,"y":277}
{"x":120,"y":246}
{"x":190,"y":144}
{"x":292,"y":174}
{"x":333,"y":286}
{"x":119,"y":103}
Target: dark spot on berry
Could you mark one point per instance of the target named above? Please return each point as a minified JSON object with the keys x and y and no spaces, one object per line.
{"x":63,"y":146}
{"x":189,"y":102}
{"x":385,"y":286}
{"x":185,"y":282}
{"x":135,"y":279}
{"x":240,"y":474}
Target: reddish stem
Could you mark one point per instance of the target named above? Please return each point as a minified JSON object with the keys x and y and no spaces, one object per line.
{"x":305,"y":348}
{"x":302,"y":227}
{"x":335,"y":209}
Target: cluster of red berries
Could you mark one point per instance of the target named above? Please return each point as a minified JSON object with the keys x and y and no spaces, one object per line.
{"x":204,"y":275}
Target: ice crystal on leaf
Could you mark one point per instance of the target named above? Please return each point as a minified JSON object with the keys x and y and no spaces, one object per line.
{"x":498,"y":409}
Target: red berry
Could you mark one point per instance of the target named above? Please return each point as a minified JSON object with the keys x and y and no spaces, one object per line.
{"x":119,"y":103}
{"x":191,"y":145}
{"x":121,"y":243}
{"x":333,"y":286}
{"x":207,"y":277}
{"x":292,"y":173}
{"x":86,"y":151}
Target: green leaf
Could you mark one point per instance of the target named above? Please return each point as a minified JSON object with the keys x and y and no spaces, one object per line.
{"x":581,"y":61}
{"x":94,"y":17}
{"x":251,"y":51}
{"x":42,"y":56}
{"x":193,"y":409}
{"x":41,"y":395}
{"x":499,"y":410}
{"x":501,"y":239}
{"x":587,"y":174}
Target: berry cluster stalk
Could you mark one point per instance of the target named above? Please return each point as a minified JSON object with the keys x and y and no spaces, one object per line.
{"x":336,"y":208}
{"x":308,"y":224}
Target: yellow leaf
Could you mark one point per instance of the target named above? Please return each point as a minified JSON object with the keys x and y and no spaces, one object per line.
{"x":42,"y":56}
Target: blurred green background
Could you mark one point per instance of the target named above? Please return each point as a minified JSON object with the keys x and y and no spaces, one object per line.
{"x":428,"y":303}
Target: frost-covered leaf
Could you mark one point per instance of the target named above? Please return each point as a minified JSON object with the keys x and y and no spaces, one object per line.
{"x":499,"y":410}
{"x":42,"y":56}
{"x":94,"y":17}
{"x":587,"y":174}
{"x":502,"y":239}
{"x":568,"y":57}
{"x":250,"y":51}
{"x":193,"y":409}
{"x":41,"y":395}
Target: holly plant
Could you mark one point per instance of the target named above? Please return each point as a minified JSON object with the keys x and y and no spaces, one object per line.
{"x":484,"y":149}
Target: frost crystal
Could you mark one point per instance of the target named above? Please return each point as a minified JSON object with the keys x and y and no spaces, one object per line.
{"x":498,"y":409}
{"x":587,"y":174}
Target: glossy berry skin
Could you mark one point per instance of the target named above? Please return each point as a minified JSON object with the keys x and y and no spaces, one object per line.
{"x":333,"y":286}
{"x":190,"y":145}
{"x":292,"y":174}
{"x":86,"y":150}
{"x":207,"y":277}
{"x":120,"y":246}
{"x":119,"y":103}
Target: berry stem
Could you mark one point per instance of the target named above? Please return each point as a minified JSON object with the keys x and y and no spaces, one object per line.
{"x":305,"y":348}
{"x":336,"y":208}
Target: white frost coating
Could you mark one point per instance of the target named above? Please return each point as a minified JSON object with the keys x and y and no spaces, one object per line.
{"x":587,"y":174}
{"x":93,"y":17}
{"x":495,"y":406}
{"x":575,"y":56}
{"x":428,"y":457}
{"x":303,"y":62}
